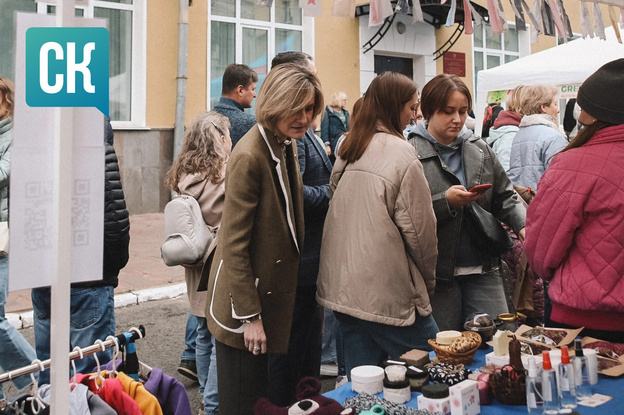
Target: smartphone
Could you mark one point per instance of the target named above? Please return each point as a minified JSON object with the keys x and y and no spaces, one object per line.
{"x":480,"y":188}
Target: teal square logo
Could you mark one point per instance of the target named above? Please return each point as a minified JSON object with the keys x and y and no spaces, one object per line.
{"x":67,"y":67}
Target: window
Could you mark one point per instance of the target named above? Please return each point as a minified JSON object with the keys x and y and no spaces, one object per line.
{"x":494,"y":49}
{"x":242,"y":31}
{"x":126,"y":51}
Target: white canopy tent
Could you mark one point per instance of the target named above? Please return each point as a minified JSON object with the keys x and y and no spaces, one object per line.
{"x":566,"y":64}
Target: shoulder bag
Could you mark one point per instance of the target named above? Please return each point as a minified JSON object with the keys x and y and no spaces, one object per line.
{"x":486,"y":231}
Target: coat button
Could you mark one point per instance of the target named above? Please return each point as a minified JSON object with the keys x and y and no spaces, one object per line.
{"x":269,"y":293}
{"x":278,"y":261}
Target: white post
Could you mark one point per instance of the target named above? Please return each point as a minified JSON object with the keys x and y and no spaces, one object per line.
{"x":59,"y":321}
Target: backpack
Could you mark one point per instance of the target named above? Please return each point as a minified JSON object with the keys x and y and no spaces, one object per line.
{"x":187,"y":235}
{"x":491,"y":112}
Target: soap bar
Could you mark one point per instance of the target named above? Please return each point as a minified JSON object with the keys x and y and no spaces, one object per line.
{"x":416,"y":357}
{"x":447,"y":336}
{"x":501,"y":342}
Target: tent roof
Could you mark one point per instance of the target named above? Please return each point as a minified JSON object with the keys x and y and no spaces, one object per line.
{"x":567,"y":64}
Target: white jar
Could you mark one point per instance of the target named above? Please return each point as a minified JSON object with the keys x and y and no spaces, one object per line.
{"x":367,"y":379}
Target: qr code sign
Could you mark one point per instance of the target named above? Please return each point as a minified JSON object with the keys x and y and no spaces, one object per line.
{"x":38,"y":229}
{"x":81,"y":202}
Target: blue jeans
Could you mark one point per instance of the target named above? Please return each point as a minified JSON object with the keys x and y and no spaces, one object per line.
{"x":206,"y":360}
{"x":92,"y":317}
{"x":368,"y":343}
{"x":333,"y":346}
{"x":469,"y":294}
{"x":15,"y":351}
{"x":190,"y":338}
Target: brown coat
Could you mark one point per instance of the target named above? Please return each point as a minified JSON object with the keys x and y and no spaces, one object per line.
{"x":256,"y":262}
{"x":210,"y":197}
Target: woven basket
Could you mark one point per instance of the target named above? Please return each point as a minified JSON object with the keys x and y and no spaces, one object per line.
{"x":464,"y":358}
{"x":508,"y":389}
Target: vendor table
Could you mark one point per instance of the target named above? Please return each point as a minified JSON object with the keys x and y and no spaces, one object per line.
{"x":606,"y":386}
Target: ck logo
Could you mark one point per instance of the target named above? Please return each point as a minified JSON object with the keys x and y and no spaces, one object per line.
{"x":67,"y":67}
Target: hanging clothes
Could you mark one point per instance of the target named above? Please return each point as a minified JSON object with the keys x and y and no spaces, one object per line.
{"x":81,"y":401}
{"x":112,"y":393}
{"x":148,"y":404}
{"x":170,"y":392}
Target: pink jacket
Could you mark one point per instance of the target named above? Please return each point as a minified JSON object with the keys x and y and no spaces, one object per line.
{"x":575,"y":232}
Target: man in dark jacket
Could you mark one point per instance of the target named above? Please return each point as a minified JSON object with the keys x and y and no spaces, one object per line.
{"x":92,"y":304}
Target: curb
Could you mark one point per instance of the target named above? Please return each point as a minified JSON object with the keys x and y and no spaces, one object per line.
{"x":24,"y":319}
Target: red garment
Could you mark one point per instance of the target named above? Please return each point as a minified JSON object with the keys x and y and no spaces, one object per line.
{"x":113,"y":394}
{"x":575,"y":232}
{"x":507,"y":118}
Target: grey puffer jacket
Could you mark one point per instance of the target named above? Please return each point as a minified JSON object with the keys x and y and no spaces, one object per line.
{"x":480,"y":166}
{"x":6,"y":139}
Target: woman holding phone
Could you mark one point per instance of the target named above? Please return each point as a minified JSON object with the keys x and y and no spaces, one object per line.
{"x":454,"y":160}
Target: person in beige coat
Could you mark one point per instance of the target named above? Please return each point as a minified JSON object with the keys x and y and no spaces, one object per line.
{"x":253,"y":279}
{"x":199,"y":171}
{"x":379,"y":249}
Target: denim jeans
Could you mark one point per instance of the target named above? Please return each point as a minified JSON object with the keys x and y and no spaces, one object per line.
{"x":368,"y":343}
{"x":92,"y":317}
{"x":190,"y":338}
{"x":469,"y":294}
{"x":206,"y":360}
{"x":333,"y":346}
{"x":15,"y":351}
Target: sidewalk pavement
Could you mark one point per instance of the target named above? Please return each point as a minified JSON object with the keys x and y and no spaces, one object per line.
{"x":145,"y":278}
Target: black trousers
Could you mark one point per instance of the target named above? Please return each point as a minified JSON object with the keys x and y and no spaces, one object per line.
{"x":304,"y":349}
{"x":242,"y":379}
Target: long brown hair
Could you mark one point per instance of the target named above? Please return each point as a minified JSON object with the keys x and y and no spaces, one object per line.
{"x":202,"y":151}
{"x":585,"y":134}
{"x":381,"y":109}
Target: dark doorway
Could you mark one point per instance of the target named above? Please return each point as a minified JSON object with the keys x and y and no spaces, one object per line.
{"x":395,"y":64}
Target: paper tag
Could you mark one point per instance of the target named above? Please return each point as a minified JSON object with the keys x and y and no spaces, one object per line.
{"x":595,"y":400}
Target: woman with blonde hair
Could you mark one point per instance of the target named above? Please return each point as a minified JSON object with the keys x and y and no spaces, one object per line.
{"x":253,"y":278}
{"x":378,"y":254}
{"x":506,"y":126}
{"x":199,"y":171}
{"x":538,"y":138}
{"x":335,"y":121}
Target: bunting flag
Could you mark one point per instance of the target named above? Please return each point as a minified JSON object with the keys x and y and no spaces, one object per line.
{"x":501,"y":13}
{"x":495,"y":23}
{"x":547,"y":21}
{"x":450,"y":17}
{"x":468,"y":27}
{"x":552,"y":5}
{"x":475,"y":15}
{"x":344,"y":8}
{"x":311,"y":8}
{"x":265,"y":3}
{"x":516,"y":7}
{"x":598,"y":22}
{"x":538,"y":28}
{"x":613,"y":19}
{"x":417,"y":14}
{"x":534,"y":21}
{"x":622,"y":18}
{"x":566,"y":19}
{"x":587,"y":28}
{"x":402,"y":7}
{"x":379,"y":10}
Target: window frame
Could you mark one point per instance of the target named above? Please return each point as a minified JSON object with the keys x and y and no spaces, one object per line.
{"x":306,"y":28}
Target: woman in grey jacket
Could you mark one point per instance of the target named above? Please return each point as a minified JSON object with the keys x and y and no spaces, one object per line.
{"x":454,"y":160}
{"x":378,"y":253}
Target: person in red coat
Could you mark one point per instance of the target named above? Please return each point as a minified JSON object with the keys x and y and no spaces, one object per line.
{"x":575,"y":224}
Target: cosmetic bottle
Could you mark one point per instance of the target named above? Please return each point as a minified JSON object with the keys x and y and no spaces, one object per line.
{"x":581,"y":372}
{"x":535,"y":404}
{"x":550,"y":394}
{"x":567,"y":392}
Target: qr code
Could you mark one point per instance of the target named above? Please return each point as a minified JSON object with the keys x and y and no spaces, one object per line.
{"x":39,"y":224}
{"x":81,"y":203}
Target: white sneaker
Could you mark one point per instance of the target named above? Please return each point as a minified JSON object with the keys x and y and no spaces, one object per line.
{"x":329,"y":369}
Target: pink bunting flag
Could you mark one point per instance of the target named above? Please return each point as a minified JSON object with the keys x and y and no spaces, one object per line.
{"x":379,"y":10}
{"x":613,"y":19}
{"x":311,"y":8}
{"x":344,"y":8}
{"x":468,"y":27}
{"x":495,"y":22}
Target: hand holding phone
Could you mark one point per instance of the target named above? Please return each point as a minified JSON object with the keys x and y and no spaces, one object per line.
{"x":480,"y":188}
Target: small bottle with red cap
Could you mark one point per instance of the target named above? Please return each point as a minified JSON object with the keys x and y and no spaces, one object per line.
{"x":567,"y":393}
{"x":550,"y":394}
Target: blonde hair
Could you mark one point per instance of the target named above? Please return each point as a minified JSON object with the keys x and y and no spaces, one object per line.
{"x":7,"y":91}
{"x":334,"y":101}
{"x":514,"y":99}
{"x":203,"y":150}
{"x":534,"y":96}
{"x":286,"y":90}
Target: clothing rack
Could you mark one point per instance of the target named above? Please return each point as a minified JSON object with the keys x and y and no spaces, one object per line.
{"x":78,"y":353}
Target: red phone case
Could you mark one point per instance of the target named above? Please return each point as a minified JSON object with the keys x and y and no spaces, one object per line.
{"x":480,"y":188}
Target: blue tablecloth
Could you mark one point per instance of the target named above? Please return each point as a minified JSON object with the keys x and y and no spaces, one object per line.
{"x":606,"y":386}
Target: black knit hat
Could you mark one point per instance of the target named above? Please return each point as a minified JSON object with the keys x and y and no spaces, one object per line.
{"x":602,"y":94}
